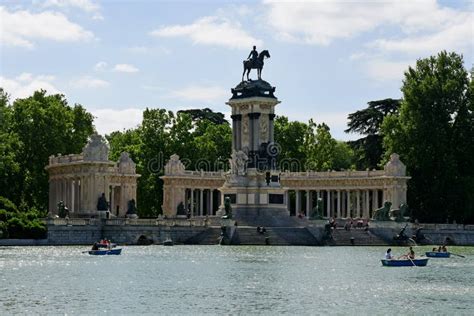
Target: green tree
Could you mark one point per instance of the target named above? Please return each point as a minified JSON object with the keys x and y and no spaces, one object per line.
{"x":290,"y":136}
{"x":434,"y":136}
{"x":323,"y":152}
{"x":369,"y":150}
{"x":43,"y":126}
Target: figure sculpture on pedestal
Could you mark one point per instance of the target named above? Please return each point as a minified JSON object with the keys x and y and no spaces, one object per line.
{"x":63,"y":211}
{"x":382,"y":214}
{"x":398,"y":215}
{"x":255,"y":61}
{"x":102,"y":204}
{"x":131,"y":209}
{"x":227,"y":208}
{"x":238,"y":163}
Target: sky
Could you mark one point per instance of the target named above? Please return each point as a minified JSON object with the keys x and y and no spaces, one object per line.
{"x":328,"y":58}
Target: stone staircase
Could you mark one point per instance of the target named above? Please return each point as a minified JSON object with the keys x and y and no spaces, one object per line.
{"x":342,"y":237}
{"x":268,"y":218}
{"x":208,"y":237}
{"x":275,"y":236}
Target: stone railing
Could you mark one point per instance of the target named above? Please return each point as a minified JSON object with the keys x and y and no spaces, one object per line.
{"x":54,"y":160}
{"x":71,"y":221}
{"x":333,"y":174}
{"x":204,"y":174}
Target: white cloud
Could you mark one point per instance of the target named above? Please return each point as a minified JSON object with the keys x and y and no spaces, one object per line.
{"x":25,"y":84}
{"x":125,"y":68}
{"x":457,"y":35}
{"x":201,"y":93}
{"x":89,"y":82}
{"x":211,"y":30}
{"x":108,"y":120}
{"x":85,"y":5}
{"x":321,"y":22}
{"x":22,"y":28}
{"x":100,"y":66}
{"x":385,"y":70}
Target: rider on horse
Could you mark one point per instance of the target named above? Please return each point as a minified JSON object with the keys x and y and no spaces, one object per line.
{"x":253,"y":55}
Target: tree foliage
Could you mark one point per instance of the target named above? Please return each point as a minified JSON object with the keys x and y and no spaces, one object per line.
{"x":434,"y":136}
{"x":369,"y":150}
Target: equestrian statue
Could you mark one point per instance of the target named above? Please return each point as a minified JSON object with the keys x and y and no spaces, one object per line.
{"x":255,"y":61}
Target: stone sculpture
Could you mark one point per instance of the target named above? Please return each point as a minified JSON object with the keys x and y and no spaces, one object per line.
{"x":238,"y":163}
{"x":227,"y":208}
{"x":63,"y":211}
{"x":382,"y":214}
{"x":131,"y":209}
{"x":255,"y":62}
{"x":174,"y":166}
{"x":398,"y":215}
{"x":96,"y":149}
{"x":102,"y":204}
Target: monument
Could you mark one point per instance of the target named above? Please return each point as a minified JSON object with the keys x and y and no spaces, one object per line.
{"x":256,"y":186}
{"x":253,"y":184}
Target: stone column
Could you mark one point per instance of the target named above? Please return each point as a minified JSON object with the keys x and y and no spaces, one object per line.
{"x":201,"y":202}
{"x":271,"y":118}
{"x":298,"y":202}
{"x":192,"y":202}
{"x":328,"y":203}
{"x":338,"y":203}
{"x":367,"y":204}
{"x":358,"y":203}
{"x":112,"y":200}
{"x":308,"y":203}
{"x":256,"y":131}
{"x":211,"y":203}
{"x":376,"y":199}
{"x":348,"y":206}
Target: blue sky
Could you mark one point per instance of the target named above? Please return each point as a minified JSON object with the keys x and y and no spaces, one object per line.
{"x":328,"y":58}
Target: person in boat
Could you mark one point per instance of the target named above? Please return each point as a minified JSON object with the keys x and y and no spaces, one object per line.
{"x":444,"y":249}
{"x":409,"y":255}
{"x":95,"y":246}
{"x":439,"y":249}
{"x":434,"y":249}
{"x":388,"y":254}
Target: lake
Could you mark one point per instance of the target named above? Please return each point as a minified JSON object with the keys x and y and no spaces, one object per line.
{"x":231,"y":280}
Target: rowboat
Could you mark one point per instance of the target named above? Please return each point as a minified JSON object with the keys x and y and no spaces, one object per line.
{"x":404,"y":262}
{"x":115,"y":251}
{"x":437,"y":254}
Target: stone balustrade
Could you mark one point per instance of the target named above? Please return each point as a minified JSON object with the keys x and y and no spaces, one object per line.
{"x":333,"y":174}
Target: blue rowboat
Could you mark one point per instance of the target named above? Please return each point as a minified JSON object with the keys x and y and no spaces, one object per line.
{"x":115,"y":251}
{"x":437,"y":254}
{"x":405,"y":262}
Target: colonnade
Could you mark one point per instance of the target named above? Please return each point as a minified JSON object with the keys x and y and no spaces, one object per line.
{"x":337,"y":203}
{"x":81,"y":193}
{"x":201,"y":201}
{"x":68,"y":190}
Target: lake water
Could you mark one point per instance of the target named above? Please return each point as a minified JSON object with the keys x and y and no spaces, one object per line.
{"x":231,"y":280}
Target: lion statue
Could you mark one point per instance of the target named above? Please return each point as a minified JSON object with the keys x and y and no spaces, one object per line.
{"x":382,"y":214}
{"x":398,"y":215}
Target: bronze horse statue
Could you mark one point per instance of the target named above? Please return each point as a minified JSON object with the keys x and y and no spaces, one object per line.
{"x":257,"y":64}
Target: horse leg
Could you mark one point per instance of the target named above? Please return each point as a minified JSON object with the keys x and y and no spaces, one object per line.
{"x":243,"y":74}
{"x":248,"y":73}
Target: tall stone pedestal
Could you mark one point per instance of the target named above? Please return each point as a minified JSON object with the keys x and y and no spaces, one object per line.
{"x":253,"y":183}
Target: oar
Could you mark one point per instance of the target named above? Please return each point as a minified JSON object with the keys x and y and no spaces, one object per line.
{"x":411,"y":261}
{"x":455,"y":254}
